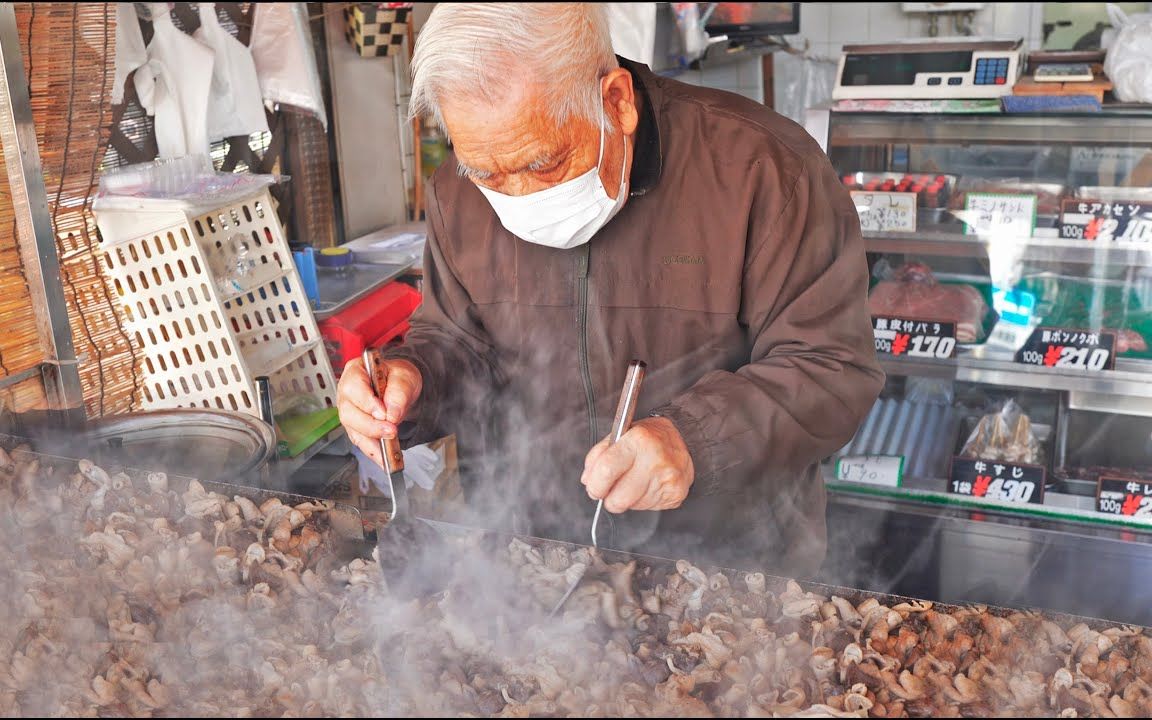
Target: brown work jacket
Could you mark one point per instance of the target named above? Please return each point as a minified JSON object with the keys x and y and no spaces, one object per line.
{"x":735,"y":270}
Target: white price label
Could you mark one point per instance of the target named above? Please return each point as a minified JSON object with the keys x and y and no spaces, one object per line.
{"x":1000,"y":217}
{"x":887,"y":470}
{"x":885,"y":211}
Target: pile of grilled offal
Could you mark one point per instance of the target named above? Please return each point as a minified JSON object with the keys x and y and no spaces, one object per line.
{"x":132,"y":596}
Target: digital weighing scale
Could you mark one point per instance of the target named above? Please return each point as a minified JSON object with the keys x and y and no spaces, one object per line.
{"x":928,"y":70}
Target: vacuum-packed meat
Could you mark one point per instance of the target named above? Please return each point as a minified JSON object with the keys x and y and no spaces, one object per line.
{"x":914,"y":293}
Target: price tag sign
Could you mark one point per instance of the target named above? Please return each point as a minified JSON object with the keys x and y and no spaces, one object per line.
{"x":1118,"y":496}
{"x":886,"y":211}
{"x":994,"y":480}
{"x":999,"y":215}
{"x":885,"y":470}
{"x":1106,"y":221}
{"x":914,"y":338}
{"x":1070,"y":349}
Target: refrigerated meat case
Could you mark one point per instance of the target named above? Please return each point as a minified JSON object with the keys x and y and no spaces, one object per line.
{"x":919,"y":538}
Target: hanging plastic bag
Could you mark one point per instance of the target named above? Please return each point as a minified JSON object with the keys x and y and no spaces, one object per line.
{"x":130,"y":50}
{"x":173,"y":86}
{"x":1004,"y":436}
{"x":693,"y":37}
{"x":1130,"y":56}
{"x":234,"y":101}
{"x":281,"y":47}
{"x":633,"y":28}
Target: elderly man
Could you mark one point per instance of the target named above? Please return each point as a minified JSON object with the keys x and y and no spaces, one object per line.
{"x":594,"y":212}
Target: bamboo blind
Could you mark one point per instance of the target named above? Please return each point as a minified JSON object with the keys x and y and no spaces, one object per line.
{"x":69,"y":55}
{"x":19,"y":342}
{"x":68,"y":51}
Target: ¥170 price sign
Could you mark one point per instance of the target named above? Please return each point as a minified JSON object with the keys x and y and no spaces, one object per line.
{"x":994,"y":480}
{"x":914,"y":338}
{"x":1119,"y":496}
{"x":1069,"y":350}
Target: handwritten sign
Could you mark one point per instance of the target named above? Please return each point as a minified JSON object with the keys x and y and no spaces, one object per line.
{"x":885,"y":470}
{"x":1102,"y":221}
{"x":886,"y":211}
{"x":997,"y":215}
{"x":1089,"y":159}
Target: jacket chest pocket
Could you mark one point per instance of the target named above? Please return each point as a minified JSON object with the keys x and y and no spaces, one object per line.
{"x":521,"y":273}
{"x":673,"y":281}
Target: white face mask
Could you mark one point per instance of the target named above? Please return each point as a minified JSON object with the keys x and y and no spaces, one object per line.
{"x":563,"y":216}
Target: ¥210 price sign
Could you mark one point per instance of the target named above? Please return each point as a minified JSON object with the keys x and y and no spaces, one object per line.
{"x":901,"y":337}
{"x":1069,"y":349}
{"x":1102,"y":221}
{"x":995,"y":480}
{"x":1119,"y":496}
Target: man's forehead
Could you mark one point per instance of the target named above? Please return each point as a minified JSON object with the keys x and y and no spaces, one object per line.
{"x":504,"y":135}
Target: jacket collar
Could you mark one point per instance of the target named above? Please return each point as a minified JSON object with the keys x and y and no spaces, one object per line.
{"x":648,"y":162}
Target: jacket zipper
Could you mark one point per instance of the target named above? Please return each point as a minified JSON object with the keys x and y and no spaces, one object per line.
{"x":582,"y":262}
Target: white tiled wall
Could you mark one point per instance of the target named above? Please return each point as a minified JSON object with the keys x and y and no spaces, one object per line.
{"x":828,"y":26}
{"x":743,"y":77}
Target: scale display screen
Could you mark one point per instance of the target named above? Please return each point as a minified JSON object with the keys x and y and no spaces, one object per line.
{"x":900,"y":68}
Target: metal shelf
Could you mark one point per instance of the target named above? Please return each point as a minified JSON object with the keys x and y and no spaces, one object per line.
{"x":1116,"y":127}
{"x":942,"y":243}
{"x":1132,"y":378}
{"x":286,"y":467}
{"x":270,"y":358}
{"x":263,"y":275}
{"x":1057,"y":506}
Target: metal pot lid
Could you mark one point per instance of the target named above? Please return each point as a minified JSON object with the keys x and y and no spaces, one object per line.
{"x":212,"y":445}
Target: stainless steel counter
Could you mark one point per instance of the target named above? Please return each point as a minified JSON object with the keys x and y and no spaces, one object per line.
{"x":959,"y":555}
{"x":338,"y":291}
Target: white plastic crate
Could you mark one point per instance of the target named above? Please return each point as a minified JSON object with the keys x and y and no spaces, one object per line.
{"x":203,"y":346}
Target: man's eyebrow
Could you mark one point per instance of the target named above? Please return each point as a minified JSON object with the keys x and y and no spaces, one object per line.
{"x":541,"y":163}
{"x":471,"y":173}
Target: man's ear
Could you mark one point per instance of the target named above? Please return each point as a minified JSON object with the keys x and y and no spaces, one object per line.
{"x":620,"y":100}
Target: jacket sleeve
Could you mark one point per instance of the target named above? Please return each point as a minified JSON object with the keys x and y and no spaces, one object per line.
{"x":812,"y":373}
{"x":449,"y":346}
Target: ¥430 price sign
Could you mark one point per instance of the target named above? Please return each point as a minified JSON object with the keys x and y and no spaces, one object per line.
{"x":914,"y":338}
{"x":1007,"y":482}
{"x":1130,"y":498}
{"x":1069,"y":349}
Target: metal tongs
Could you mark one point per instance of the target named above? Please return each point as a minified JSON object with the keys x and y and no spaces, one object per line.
{"x":625,"y":410}
{"x":390,"y":451}
{"x":410,"y":550}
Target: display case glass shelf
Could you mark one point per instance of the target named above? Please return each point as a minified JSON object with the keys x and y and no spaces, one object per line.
{"x":1010,"y":259}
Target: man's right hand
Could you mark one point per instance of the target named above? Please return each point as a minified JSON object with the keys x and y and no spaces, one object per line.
{"x":368,"y":418}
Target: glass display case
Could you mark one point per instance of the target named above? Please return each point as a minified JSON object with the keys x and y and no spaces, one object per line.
{"x":1011,"y":293}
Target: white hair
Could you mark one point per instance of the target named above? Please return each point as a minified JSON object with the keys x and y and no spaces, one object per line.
{"x":475,"y":51}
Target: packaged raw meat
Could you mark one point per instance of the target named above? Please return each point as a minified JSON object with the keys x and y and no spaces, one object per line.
{"x":1114,"y":307}
{"x":1005,"y":436}
{"x":913,"y":292}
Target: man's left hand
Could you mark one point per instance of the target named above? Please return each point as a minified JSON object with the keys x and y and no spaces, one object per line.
{"x":649,"y":468}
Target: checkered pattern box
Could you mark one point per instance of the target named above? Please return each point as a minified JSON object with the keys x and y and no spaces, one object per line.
{"x":376,"y":29}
